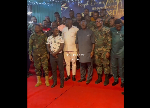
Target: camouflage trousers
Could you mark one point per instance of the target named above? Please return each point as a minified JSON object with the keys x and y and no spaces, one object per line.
{"x":102,"y":63}
{"x":40,"y":60}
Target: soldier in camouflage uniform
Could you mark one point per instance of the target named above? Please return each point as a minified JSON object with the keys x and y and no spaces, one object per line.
{"x":104,"y":17}
{"x":37,"y":47}
{"x":31,"y":26}
{"x":102,"y":50}
{"x":92,"y":24}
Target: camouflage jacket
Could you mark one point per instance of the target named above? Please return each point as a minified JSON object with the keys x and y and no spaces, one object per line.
{"x":91,"y":25}
{"x":105,"y":24}
{"x":37,"y":44}
{"x":102,"y":39}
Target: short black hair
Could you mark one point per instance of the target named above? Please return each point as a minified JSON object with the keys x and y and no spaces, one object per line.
{"x":86,"y":9}
{"x":44,"y":20}
{"x":96,"y":12}
{"x":56,"y":13}
{"x":118,"y":21}
{"x":79,"y":13}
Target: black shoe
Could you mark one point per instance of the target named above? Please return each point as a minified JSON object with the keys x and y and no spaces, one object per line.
{"x":110,"y":75}
{"x":78,"y":68}
{"x":88,"y":81}
{"x":73,"y":78}
{"x":106,"y":82}
{"x":61,"y":86}
{"x":82,"y":80}
{"x":68,"y":77}
{"x":53,"y":85}
{"x":122,"y":85}
{"x":99,"y":79}
{"x":122,"y":93}
{"x":114,"y":83}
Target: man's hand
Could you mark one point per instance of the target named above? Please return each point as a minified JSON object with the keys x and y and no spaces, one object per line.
{"x":92,"y":53}
{"x":107,"y":55}
{"x":54,"y":54}
{"x":31,"y":58}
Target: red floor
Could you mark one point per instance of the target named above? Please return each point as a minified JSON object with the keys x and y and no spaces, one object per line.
{"x":74,"y":94}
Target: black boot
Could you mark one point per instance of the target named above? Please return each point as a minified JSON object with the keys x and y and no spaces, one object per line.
{"x":73,"y":78}
{"x":110,"y":75}
{"x":82,"y":80}
{"x":99,"y":79}
{"x":61,"y":82}
{"x":54,"y":84}
{"x":88,"y":81}
{"x":106,"y":82}
{"x":114,"y":83}
{"x":68,"y":77}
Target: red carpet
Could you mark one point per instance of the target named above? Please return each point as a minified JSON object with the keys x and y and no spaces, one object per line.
{"x":74,"y":94}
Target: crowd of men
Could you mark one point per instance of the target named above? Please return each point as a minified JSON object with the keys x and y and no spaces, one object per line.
{"x":96,"y":40}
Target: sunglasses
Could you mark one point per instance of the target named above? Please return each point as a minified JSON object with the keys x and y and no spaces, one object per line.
{"x":99,"y":21}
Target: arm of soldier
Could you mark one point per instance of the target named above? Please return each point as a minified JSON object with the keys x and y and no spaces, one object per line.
{"x":30,"y":47}
{"x":108,"y":47}
{"x":30,"y":44}
{"x":109,"y":38}
{"x":61,"y":46}
{"x":107,"y":19}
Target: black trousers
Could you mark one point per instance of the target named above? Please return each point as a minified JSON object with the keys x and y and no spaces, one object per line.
{"x":54,"y":62}
{"x":89,"y":66}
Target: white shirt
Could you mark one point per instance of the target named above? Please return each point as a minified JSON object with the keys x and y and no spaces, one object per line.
{"x":55,"y":42}
{"x":69,"y":37}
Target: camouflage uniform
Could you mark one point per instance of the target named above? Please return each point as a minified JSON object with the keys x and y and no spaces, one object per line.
{"x":102,"y":46}
{"x":37,"y":44}
{"x":105,"y":24}
{"x":91,"y":25}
